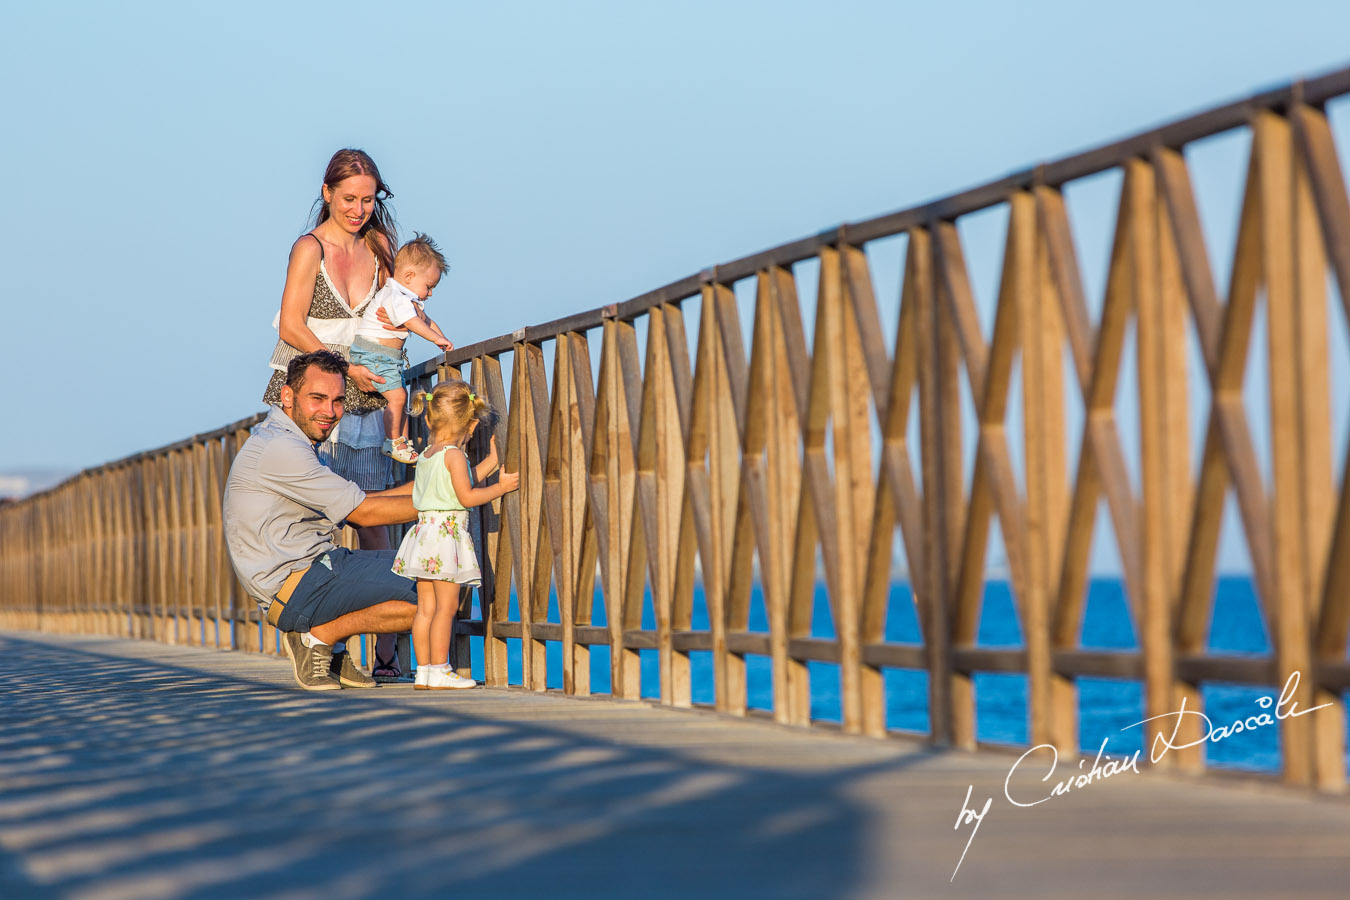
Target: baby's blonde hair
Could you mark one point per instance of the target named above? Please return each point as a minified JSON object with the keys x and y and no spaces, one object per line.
{"x":451,"y":406}
{"x":420,"y":252}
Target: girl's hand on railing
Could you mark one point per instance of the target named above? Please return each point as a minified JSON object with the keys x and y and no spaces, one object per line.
{"x":508,"y":481}
{"x":363,"y":378}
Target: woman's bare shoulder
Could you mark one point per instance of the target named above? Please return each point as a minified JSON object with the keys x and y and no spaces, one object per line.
{"x":306,"y":250}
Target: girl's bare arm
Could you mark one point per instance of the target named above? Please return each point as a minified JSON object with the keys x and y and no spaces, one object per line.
{"x":458,"y":465}
{"x":489,"y":463}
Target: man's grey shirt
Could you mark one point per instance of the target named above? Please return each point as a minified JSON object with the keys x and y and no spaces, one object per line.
{"x":282,"y":506}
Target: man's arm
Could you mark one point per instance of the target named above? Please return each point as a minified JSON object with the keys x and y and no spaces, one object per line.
{"x":383,"y":508}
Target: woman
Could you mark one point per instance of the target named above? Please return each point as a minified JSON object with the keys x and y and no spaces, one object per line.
{"x":334,"y":271}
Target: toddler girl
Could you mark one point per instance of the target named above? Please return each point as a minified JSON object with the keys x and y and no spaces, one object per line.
{"x":438,"y":551}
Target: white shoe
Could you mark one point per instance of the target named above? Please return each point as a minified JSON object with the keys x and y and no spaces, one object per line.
{"x":400,"y":450}
{"x":447,"y":680}
{"x":420,"y":682}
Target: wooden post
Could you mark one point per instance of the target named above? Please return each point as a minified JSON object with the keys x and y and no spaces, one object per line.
{"x":498,"y":553}
{"x":1273,"y":158}
{"x":620,"y":394}
{"x":737,"y":484}
{"x":581,"y":418}
{"x":869,"y":537}
{"x":1321,"y":187}
{"x":660,"y":492}
{"x":935,"y":356}
{"x":777,"y":384}
{"x":532,"y":429}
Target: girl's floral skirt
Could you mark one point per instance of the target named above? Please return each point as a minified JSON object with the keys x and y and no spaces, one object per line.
{"x":438,"y":548}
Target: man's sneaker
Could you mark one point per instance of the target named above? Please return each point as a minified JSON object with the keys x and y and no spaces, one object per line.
{"x":348,"y":673}
{"x":312,"y":664}
{"x":447,"y":680}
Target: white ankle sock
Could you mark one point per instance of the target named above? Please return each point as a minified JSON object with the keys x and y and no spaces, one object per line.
{"x":310,"y":640}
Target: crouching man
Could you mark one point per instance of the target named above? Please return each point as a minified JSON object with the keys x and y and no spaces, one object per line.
{"x":282,"y":510}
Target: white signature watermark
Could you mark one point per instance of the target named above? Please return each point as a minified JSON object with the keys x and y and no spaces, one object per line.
{"x":1104,"y":767}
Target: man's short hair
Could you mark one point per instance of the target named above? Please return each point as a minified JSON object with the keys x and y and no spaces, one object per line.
{"x":420,"y":252}
{"x":325,"y":360}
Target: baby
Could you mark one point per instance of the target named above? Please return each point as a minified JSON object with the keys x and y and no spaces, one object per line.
{"x":418,"y":268}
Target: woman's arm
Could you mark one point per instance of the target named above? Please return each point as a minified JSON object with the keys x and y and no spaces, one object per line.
{"x":458,"y":465}
{"x":296,"y":296}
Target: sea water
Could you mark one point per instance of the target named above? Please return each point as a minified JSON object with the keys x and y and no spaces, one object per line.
{"x":1105,"y":706}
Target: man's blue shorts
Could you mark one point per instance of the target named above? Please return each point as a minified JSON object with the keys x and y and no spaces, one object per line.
{"x":343,"y":581}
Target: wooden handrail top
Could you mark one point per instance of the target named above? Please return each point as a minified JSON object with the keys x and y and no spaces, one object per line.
{"x":1175,"y":134}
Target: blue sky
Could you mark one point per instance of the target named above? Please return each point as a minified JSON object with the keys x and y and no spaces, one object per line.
{"x":161,"y":158}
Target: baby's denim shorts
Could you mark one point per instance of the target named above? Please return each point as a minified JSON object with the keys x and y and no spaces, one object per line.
{"x":387,"y":362}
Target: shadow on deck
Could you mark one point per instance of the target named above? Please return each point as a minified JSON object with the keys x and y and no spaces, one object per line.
{"x":141,"y":771}
{"x":139,"y":778}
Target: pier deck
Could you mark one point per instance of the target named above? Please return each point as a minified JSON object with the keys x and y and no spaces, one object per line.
{"x":138,"y":770}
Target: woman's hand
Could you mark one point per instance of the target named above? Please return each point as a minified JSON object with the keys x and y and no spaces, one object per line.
{"x":364,"y":379}
{"x":383,"y":315}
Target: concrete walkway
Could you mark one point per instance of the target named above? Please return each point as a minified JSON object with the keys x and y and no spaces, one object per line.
{"x":141,"y":771}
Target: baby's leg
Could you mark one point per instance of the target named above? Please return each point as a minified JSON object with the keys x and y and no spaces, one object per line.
{"x":443,"y":623}
{"x":395,"y":422}
{"x":422,"y":619}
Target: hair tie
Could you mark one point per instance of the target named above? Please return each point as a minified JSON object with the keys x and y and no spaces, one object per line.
{"x":473,"y":398}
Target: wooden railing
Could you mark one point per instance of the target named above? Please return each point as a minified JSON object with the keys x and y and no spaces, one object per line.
{"x":133,"y":547}
{"x":741,"y":463}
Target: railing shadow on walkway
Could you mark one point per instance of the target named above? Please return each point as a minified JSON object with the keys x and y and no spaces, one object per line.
{"x":138,"y":779}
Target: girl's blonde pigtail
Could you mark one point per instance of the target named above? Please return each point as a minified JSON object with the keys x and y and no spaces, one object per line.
{"x":420,"y":401}
{"x":479,"y":406}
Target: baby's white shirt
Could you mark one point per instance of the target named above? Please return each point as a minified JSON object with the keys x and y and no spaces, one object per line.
{"x":400,"y":303}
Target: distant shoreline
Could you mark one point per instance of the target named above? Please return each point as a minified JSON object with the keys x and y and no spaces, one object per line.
{"x":15,"y":484}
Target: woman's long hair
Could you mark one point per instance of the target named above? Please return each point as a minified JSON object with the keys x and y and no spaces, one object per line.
{"x":379,"y":232}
